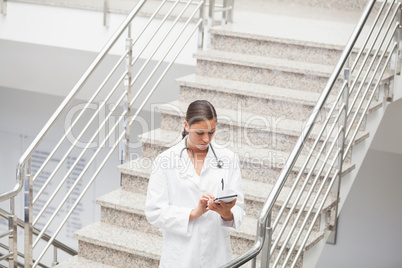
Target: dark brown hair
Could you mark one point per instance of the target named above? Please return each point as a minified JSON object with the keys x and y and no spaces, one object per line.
{"x":199,"y":110}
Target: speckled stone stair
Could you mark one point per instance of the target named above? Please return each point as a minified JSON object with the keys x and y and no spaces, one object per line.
{"x":119,"y":247}
{"x":261,"y":80}
{"x":124,"y":209}
{"x":254,"y":191}
{"x":263,"y":70}
{"x":267,"y":161}
{"x":77,"y":262}
{"x":249,"y":128}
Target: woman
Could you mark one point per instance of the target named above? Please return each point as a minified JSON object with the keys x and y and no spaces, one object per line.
{"x":183,"y":185}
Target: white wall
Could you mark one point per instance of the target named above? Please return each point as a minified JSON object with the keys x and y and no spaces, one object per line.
{"x":369,"y":231}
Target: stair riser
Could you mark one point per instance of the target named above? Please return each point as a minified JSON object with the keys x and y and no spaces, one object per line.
{"x":132,"y":221}
{"x":275,"y":109}
{"x":114,"y":257}
{"x":271,"y":77}
{"x":267,"y":137}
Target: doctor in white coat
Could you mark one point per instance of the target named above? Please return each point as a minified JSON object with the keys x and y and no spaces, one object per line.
{"x":184,"y":182}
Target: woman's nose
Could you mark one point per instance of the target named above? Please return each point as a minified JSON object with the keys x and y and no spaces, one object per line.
{"x":206,"y":138}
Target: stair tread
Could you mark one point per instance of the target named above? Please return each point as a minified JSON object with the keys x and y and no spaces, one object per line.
{"x":78,"y":261}
{"x":121,"y":239}
{"x":265,"y":62}
{"x":135,"y":203}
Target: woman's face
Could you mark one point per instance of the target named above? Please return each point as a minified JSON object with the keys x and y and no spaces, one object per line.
{"x":200,"y":133}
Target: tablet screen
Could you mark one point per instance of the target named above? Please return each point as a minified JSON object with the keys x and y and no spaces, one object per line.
{"x":226,"y":199}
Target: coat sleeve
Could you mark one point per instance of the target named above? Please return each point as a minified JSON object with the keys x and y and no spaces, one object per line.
{"x":235,"y":185}
{"x":159,"y":211}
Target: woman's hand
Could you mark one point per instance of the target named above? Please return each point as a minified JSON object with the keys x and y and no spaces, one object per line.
{"x":202,"y":206}
{"x":223,"y":209}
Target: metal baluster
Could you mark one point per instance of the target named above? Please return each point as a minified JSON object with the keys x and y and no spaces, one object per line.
{"x":229,"y":18}
{"x":55,"y":262}
{"x":225,"y":12}
{"x":13,"y":262}
{"x":201,"y":28}
{"x":127,"y":85}
{"x":266,"y":249}
{"x":106,"y":13}
{"x":341,"y":143}
{"x":3,"y":4}
{"x":28,"y":232}
{"x":210,"y":22}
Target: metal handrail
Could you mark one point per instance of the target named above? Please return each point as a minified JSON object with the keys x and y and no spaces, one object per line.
{"x":46,"y":237}
{"x":25,"y":178}
{"x":63,"y":106}
{"x":264,"y":228}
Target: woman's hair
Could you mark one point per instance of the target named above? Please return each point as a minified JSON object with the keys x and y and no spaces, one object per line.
{"x":199,"y":110}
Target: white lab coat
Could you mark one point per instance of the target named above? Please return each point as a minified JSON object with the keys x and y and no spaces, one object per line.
{"x":175,"y":189}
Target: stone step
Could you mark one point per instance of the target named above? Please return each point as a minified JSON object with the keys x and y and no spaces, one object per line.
{"x":275,"y":72}
{"x":275,"y":102}
{"x":255,"y":193}
{"x":254,"y":130}
{"x":236,"y":39}
{"x":118,"y":247}
{"x":253,"y":161}
{"x":126,"y":210}
{"x":263,"y":70}
{"x":78,"y":261}
{"x":248,"y":97}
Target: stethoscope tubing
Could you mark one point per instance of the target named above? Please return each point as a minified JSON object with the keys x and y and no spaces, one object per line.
{"x":218,"y":161}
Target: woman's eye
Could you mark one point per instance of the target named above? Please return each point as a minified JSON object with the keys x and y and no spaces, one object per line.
{"x":212,"y":132}
{"x":200,"y":133}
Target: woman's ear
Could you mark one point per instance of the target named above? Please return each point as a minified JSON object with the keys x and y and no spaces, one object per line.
{"x":186,"y":126}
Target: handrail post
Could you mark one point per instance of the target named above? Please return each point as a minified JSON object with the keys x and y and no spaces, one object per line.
{"x":106,"y":13}
{"x":28,"y":208}
{"x":13,"y":261}
{"x":396,"y":64}
{"x":341,"y":143}
{"x":127,"y":87}
{"x":229,"y":18}
{"x":55,"y":262}
{"x":210,"y":22}
{"x":201,"y":28}
{"x":266,"y":249}
{"x":3,"y":7}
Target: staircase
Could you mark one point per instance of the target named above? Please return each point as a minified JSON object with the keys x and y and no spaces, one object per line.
{"x":264,"y":83}
{"x":264,"y":74}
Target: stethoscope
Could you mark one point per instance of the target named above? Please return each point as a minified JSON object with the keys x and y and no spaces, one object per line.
{"x":218,"y":161}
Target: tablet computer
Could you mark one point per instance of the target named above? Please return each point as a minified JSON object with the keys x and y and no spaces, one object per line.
{"x":226,"y":199}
